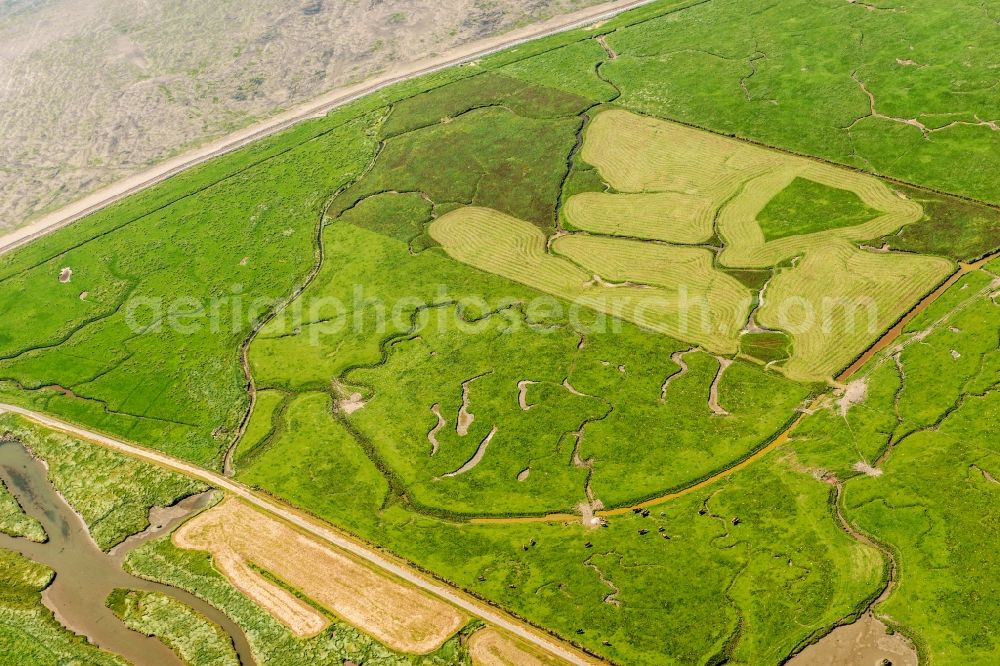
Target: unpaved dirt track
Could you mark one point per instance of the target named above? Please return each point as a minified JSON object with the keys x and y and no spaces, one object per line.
{"x":317,"y":529}
{"x":314,"y":109}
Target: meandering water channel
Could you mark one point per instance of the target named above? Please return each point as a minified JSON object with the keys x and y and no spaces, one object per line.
{"x":85,"y":575}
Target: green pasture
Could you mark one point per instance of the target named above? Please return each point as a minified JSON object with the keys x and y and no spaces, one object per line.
{"x":171,"y":288}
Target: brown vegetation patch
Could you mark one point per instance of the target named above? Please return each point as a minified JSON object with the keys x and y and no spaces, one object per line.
{"x":403,"y":618}
{"x":490,"y":647}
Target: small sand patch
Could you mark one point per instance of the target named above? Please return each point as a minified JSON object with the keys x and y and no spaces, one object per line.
{"x":865,"y":468}
{"x":244,"y":260}
{"x":523,"y":474}
{"x":432,"y":435}
{"x":465,"y":417}
{"x":955,"y":355}
{"x":587,"y":515}
{"x":65,"y":275}
{"x":83,"y":295}
{"x":351,"y":404}
{"x":402,"y":617}
{"x":476,"y":457}
{"x":490,"y":647}
{"x":713,"y":392}
{"x":855,"y":393}
{"x":863,"y":642}
{"x":678,"y":359}
{"x":522,"y":394}
{"x":569,"y":387}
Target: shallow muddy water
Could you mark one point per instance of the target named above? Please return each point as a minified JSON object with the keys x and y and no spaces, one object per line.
{"x":85,"y":575}
{"x":864,"y":643}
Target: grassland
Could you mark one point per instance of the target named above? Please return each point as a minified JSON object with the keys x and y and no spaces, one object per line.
{"x":803,"y":76}
{"x":439,"y":343}
{"x":805,"y":207}
{"x":749,"y":568}
{"x":924,"y":426}
{"x":193,"y":638}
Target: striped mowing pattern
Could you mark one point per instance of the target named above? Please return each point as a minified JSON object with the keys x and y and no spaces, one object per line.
{"x":666,"y":216}
{"x":676,"y":184}
{"x":837,"y":299}
{"x":515,"y":249}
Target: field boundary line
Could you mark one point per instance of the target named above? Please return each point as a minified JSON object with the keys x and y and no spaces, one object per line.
{"x":382,"y":560}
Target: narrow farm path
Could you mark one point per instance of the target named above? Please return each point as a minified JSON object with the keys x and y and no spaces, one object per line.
{"x":315,"y":528}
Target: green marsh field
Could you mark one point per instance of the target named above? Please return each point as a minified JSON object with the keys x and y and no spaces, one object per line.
{"x":566,"y":327}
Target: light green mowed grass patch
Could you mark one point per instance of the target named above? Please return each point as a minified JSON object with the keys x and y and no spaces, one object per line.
{"x":666,"y":216}
{"x":838,"y":299}
{"x":707,"y":305}
{"x":514,"y":249}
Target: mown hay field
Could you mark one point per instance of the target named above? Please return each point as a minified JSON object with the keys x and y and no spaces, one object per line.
{"x":838,"y":299}
{"x":666,"y":216}
{"x":514,"y":249}
{"x":399,"y":616}
{"x":489,"y":647}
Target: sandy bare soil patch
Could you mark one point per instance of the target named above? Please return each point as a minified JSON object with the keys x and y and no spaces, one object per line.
{"x":351,"y":404}
{"x":465,"y":417}
{"x":866,"y":468}
{"x":489,"y":647}
{"x":522,"y":394}
{"x":65,"y":275}
{"x":476,"y":458}
{"x":432,"y":435}
{"x":403,"y":618}
{"x":713,"y":392}
{"x":854,"y":394}
{"x":864,"y":642}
